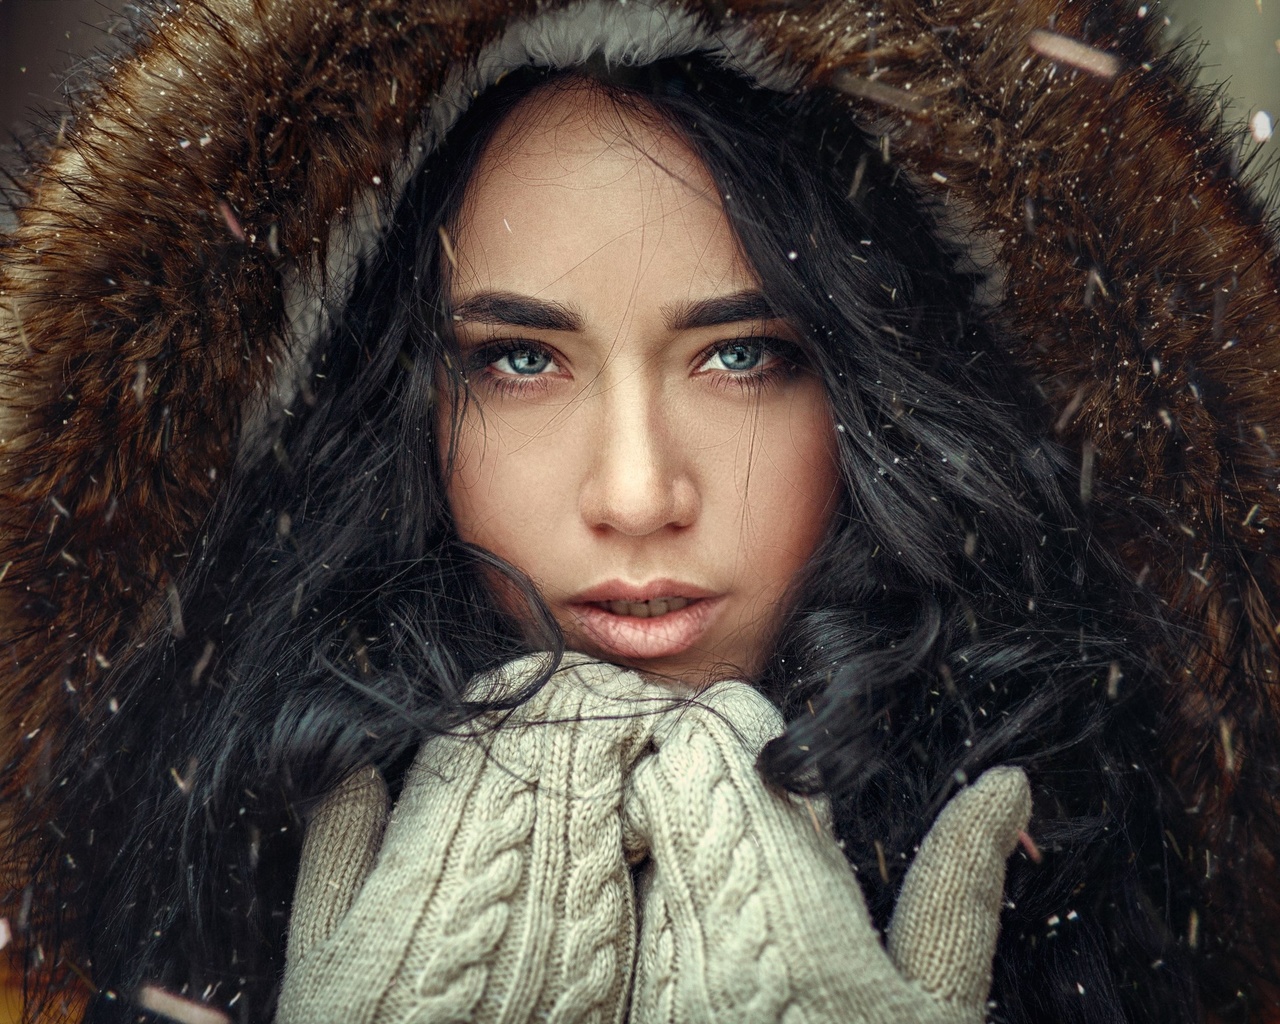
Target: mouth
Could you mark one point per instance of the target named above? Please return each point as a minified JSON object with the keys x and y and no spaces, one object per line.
{"x":638,"y":626}
{"x":646,"y":609}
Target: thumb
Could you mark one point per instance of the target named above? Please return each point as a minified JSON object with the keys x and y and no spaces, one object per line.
{"x":341,"y":845}
{"x":944,"y":929}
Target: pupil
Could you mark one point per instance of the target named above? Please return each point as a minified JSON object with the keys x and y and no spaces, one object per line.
{"x":741,"y":356}
{"x":527,"y":360}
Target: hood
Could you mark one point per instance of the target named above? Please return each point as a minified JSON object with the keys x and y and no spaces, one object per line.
{"x":185,"y":240}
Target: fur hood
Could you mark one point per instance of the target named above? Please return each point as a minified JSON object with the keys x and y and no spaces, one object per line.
{"x":188,"y":235}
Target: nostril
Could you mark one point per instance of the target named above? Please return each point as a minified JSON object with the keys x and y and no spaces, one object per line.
{"x":638,"y":501}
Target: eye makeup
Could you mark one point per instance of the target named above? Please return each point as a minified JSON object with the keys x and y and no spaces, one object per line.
{"x":519,"y":365}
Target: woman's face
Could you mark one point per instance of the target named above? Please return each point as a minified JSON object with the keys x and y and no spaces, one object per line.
{"x":637,"y":440}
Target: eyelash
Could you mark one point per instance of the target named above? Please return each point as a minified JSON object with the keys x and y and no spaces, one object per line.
{"x":482,"y":359}
{"x":786,"y":362}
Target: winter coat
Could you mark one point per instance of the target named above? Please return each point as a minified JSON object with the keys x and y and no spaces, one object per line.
{"x":188,"y":235}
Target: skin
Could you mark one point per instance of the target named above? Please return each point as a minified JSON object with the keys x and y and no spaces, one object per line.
{"x":620,"y":439}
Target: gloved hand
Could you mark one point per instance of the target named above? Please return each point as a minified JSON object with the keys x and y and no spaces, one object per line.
{"x":500,"y":891}
{"x":750,"y":913}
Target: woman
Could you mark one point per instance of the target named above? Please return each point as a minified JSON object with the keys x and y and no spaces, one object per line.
{"x":634,"y":431}
{"x":234,"y":573}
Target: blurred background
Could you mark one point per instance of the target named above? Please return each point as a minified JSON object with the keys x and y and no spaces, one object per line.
{"x":43,"y":45}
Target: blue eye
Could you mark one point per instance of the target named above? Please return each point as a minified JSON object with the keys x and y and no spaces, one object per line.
{"x":740,"y":356}
{"x":524,"y":361}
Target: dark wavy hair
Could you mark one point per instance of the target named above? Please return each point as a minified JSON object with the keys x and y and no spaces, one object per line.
{"x":960,"y":615}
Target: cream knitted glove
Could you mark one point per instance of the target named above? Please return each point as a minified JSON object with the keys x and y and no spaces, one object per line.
{"x":500,"y":892}
{"x":751,"y":915}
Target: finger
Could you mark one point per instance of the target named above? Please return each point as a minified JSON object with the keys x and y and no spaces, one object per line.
{"x":614,"y":709}
{"x":944,"y":929}
{"x":581,"y":689}
{"x":604,"y":692}
{"x":727,"y":709}
{"x":341,"y":845}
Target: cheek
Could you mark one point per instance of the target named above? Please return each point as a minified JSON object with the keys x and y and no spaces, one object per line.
{"x":503,"y":480}
{"x":786,"y":487}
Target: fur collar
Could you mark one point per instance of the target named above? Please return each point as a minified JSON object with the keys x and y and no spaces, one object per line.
{"x":185,"y":239}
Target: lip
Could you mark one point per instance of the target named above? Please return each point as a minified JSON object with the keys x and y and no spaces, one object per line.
{"x":633,"y":638}
{"x":618,"y":590}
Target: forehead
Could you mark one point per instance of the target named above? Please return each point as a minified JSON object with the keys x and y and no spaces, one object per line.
{"x":579,"y":196}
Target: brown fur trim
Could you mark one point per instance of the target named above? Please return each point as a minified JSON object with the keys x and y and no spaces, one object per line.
{"x":141,"y":305}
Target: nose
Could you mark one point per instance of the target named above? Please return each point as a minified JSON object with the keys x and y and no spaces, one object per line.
{"x":639,"y":478}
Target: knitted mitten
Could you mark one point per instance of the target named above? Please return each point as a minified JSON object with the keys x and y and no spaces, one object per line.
{"x":750,"y":913}
{"x":500,"y":892}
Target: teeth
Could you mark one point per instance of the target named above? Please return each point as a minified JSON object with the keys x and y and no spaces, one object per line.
{"x":647,"y":609}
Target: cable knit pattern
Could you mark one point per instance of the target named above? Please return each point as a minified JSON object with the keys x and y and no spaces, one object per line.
{"x":654,"y":998}
{"x":501,"y":891}
{"x":453,"y":979}
{"x":598,"y":891}
{"x":748,"y":976}
{"x":757,"y":918}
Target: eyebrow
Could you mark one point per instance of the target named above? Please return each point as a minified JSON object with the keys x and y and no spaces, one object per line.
{"x":725,"y":309}
{"x":506,"y":309}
